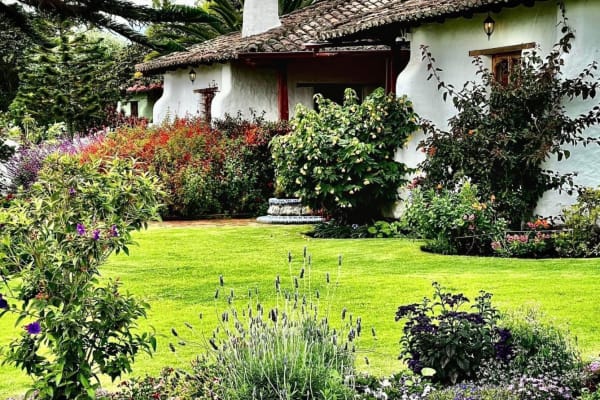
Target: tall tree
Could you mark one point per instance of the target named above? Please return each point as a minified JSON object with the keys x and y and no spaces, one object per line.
{"x":69,"y":82}
{"x":119,"y":16}
{"x":13,"y":44}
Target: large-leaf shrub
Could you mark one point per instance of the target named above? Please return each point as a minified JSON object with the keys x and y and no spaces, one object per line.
{"x":340,"y":158}
{"x":502,"y":135}
{"x":53,"y":241}
{"x":205,"y":170}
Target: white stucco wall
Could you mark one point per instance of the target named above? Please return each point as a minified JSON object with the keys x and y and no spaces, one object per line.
{"x":250,"y":89}
{"x":241,"y":89}
{"x":450,"y":44}
{"x":260,"y":16}
{"x":178,"y":97}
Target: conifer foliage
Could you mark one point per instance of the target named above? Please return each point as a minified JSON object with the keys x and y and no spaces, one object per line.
{"x":67,"y":82}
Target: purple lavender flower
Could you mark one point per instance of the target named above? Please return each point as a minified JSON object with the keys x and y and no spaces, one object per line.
{"x":114,"y":232}
{"x":72,"y":192}
{"x":80,"y":229}
{"x":33,"y":328}
{"x":3,"y":303}
{"x":96,"y":234}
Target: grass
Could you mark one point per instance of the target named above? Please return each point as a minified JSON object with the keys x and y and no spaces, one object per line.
{"x":177,"y":271}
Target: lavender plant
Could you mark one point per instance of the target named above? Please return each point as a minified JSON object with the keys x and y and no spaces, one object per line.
{"x":23,"y":167}
{"x":290,"y":351}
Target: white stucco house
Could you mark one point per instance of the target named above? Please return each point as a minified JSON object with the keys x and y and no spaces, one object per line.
{"x":453,"y":30}
{"x":273,"y":64}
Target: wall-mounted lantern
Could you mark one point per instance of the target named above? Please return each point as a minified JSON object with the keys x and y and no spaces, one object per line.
{"x":488,"y":26}
{"x":192,"y":75}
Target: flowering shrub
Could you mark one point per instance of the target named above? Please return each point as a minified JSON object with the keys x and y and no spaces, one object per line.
{"x":438,"y":335}
{"x":582,"y":221}
{"x":540,"y":388}
{"x":470,"y":391}
{"x":23,"y":167}
{"x":54,"y":238}
{"x":542,"y":360}
{"x":403,"y":385}
{"x":592,"y":375}
{"x":536,"y":242}
{"x":204,"y":170}
{"x":170,"y":384}
{"x":454,"y":221}
{"x":341,"y":157}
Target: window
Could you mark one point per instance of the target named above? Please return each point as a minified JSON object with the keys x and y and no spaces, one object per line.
{"x":503,"y":64}
{"x":206,"y":97}
{"x":504,"y":59}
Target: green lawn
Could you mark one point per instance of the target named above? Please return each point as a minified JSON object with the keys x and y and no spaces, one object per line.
{"x":177,"y":270}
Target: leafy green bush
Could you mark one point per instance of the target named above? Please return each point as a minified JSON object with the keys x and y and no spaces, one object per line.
{"x":379,"y":229}
{"x":341,"y":157}
{"x":582,"y":221}
{"x":334,"y":230}
{"x":53,"y":241}
{"x":454,"y":343}
{"x":454,"y":221}
{"x":384,"y":229}
{"x":503,"y":134}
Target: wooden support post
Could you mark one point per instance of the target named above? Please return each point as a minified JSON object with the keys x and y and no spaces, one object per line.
{"x":282,"y":93}
{"x":393,"y":66}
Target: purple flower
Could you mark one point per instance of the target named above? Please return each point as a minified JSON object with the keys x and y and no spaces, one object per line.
{"x":33,"y":328}
{"x":80,"y":229}
{"x":403,"y":311}
{"x":3,"y":303}
{"x":96,"y":234}
{"x":114,"y":232}
{"x":72,"y":192}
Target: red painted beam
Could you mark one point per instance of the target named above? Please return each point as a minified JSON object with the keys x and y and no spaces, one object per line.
{"x":282,"y":93}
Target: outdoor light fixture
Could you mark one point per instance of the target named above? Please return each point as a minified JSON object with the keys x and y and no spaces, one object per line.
{"x":488,"y":26}
{"x":192,"y":75}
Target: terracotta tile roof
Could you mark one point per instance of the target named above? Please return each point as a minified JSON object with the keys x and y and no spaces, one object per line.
{"x":327,"y":19}
{"x":297,"y":28}
{"x":413,"y":12}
